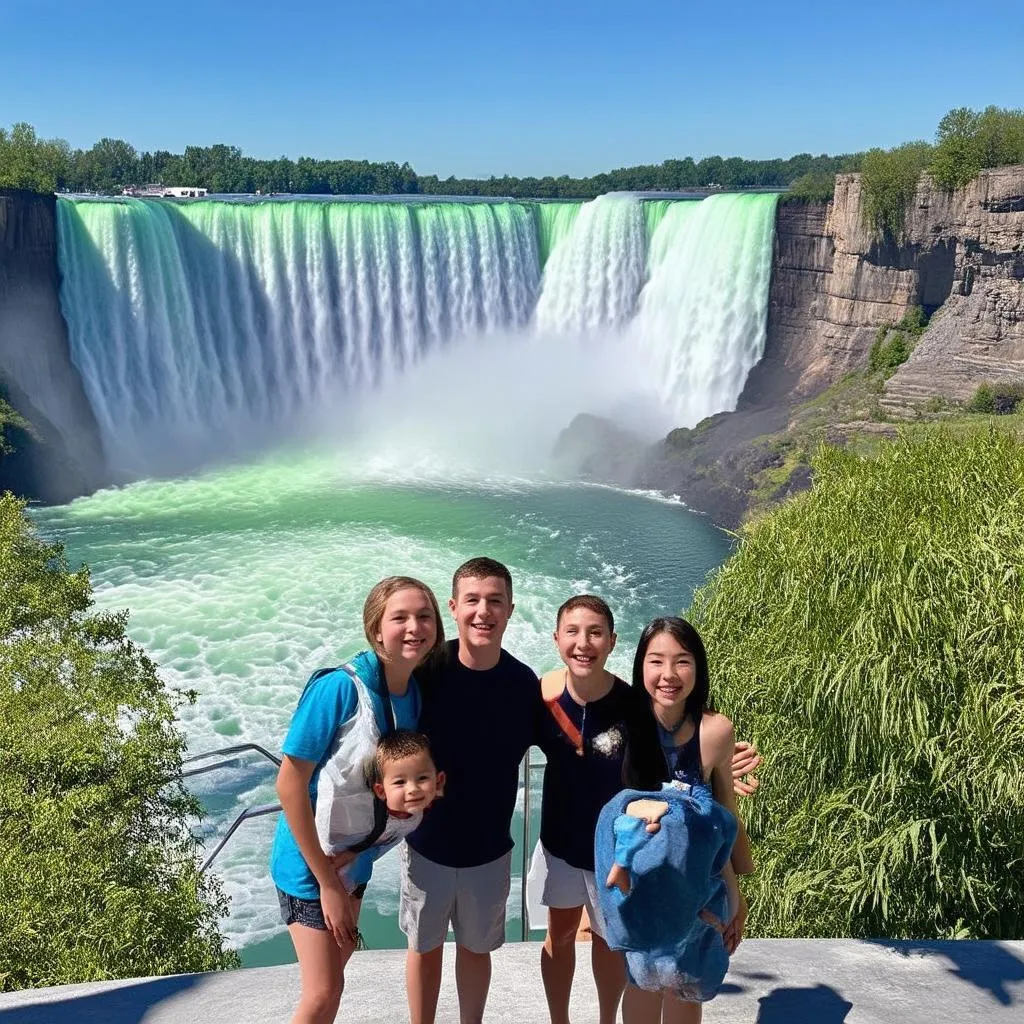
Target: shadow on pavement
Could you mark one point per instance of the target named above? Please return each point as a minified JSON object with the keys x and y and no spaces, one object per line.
{"x":986,"y":965}
{"x":126,"y":1004}
{"x":817,"y":1005}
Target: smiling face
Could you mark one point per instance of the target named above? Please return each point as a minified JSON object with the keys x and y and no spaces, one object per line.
{"x":670,"y":674}
{"x":408,"y":627}
{"x":584,"y":642}
{"x":481,"y":607}
{"x":408,"y":784}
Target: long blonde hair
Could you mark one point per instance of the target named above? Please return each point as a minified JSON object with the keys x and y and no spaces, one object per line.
{"x":377,"y":599}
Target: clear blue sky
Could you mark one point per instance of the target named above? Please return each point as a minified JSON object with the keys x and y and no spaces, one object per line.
{"x":527,"y":87}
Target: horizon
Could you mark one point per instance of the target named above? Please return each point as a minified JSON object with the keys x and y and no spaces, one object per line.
{"x":457,"y":92}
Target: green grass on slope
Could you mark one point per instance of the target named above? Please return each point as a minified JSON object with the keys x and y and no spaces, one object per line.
{"x":867,"y":634}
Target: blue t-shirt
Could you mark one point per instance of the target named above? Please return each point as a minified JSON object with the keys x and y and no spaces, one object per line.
{"x":325,"y":705}
{"x":480,"y":725}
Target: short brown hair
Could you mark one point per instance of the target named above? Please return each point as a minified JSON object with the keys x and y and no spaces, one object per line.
{"x":394,"y":746}
{"x":592,"y":603}
{"x":377,"y":599}
{"x":481,"y":569}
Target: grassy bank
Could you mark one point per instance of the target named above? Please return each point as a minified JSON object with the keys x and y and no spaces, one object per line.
{"x":867,"y":634}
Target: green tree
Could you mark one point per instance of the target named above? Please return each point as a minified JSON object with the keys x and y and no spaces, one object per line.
{"x":108,"y":166}
{"x":889,"y":179}
{"x":867,"y":635}
{"x":968,"y":141}
{"x":26,"y":161}
{"x":98,"y":873}
{"x":812,"y":187}
{"x":9,"y":417}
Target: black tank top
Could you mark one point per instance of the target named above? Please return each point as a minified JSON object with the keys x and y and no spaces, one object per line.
{"x":684,"y":762}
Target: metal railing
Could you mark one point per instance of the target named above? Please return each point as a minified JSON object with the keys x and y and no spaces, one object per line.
{"x":258,"y":811}
{"x":230,"y":762}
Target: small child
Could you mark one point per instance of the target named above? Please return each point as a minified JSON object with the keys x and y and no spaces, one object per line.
{"x":405,"y":780}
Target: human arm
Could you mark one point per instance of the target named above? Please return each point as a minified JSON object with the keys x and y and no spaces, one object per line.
{"x":719,"y":738}
{"x":721,"y":746}
{"x":732,"y":933}
{"x":630,"y":837}
{"x":745,"y":760}
{"x":293,"y":779}
{"x":327,"y":702}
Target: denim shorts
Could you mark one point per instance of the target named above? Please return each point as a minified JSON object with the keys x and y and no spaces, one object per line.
{"x":309,"y":913}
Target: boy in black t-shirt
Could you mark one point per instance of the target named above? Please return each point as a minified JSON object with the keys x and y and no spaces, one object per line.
{"x":481,"y":709}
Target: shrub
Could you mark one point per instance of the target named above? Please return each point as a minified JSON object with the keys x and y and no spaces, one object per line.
{"x":867,"y":635}
{"x":888,"y":181}
{"x":98,"y":873}
{"x":1001,"y":398}
{"x":888,"y":352}
{"x":983,"y":400}
{"x":967,"y":142}
{"x":813,"y":187}
{"x":914,"y":321}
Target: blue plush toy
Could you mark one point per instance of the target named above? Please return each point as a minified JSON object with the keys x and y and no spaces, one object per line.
{"x":674,"y":874}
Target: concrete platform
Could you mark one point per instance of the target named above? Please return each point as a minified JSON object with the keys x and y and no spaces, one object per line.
{"x":772,"y":981}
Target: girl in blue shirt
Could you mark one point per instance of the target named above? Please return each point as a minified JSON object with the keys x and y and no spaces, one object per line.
{"x":403,"y":627}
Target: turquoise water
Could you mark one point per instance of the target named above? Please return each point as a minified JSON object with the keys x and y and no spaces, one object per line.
{"x":242,"y":581}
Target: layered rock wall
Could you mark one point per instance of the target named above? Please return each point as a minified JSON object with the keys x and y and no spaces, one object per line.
{"x":64,"y":458}
{"x":971,"y":244}
{"x":834,"y":284}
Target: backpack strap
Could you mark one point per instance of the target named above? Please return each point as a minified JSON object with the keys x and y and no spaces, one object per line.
{"x":380,"y":808}
{"x":385,"y":697}
{"x":380,"y":821}
{"x":552,"y":685}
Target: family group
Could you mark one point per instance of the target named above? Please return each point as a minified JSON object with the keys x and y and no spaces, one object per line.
{"x":419,"y":739}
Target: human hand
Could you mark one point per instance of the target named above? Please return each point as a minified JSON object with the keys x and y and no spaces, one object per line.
{"x":745,"y":759}
{"x":339,"y":915}
{"x":733,"y":934}
{"x":618,"y":878}
{"x":340,"y":861}
{"x":651,"y":811}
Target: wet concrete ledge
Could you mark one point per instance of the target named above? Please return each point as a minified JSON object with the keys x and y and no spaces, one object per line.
{"x":772,"y":981}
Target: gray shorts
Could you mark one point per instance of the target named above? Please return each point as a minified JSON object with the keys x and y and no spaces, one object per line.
{"x":472,"y":899}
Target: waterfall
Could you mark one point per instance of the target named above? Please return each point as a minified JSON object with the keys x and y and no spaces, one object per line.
{"x":703,"y":314}
{"x":194,"y":324}
{"x":200,"y":328}
{"x":554,"y":221}
{"x":594,"y":274}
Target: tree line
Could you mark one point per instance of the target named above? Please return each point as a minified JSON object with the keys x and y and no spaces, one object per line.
{"x":51,"y":165}
{"x":966,"y":142}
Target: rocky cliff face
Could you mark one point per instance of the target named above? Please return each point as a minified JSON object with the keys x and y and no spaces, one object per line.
{"x":962,"y":258}
{"x":65,"y":458}
{"x":970,"y":246}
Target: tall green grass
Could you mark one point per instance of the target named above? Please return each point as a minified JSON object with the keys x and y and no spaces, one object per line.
{"x":869,"y":635}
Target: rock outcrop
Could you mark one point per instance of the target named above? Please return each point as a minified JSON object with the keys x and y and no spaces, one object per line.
{"x":834,"y":284}
{"x":64,"y":457}
{"x":970,"y":245}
